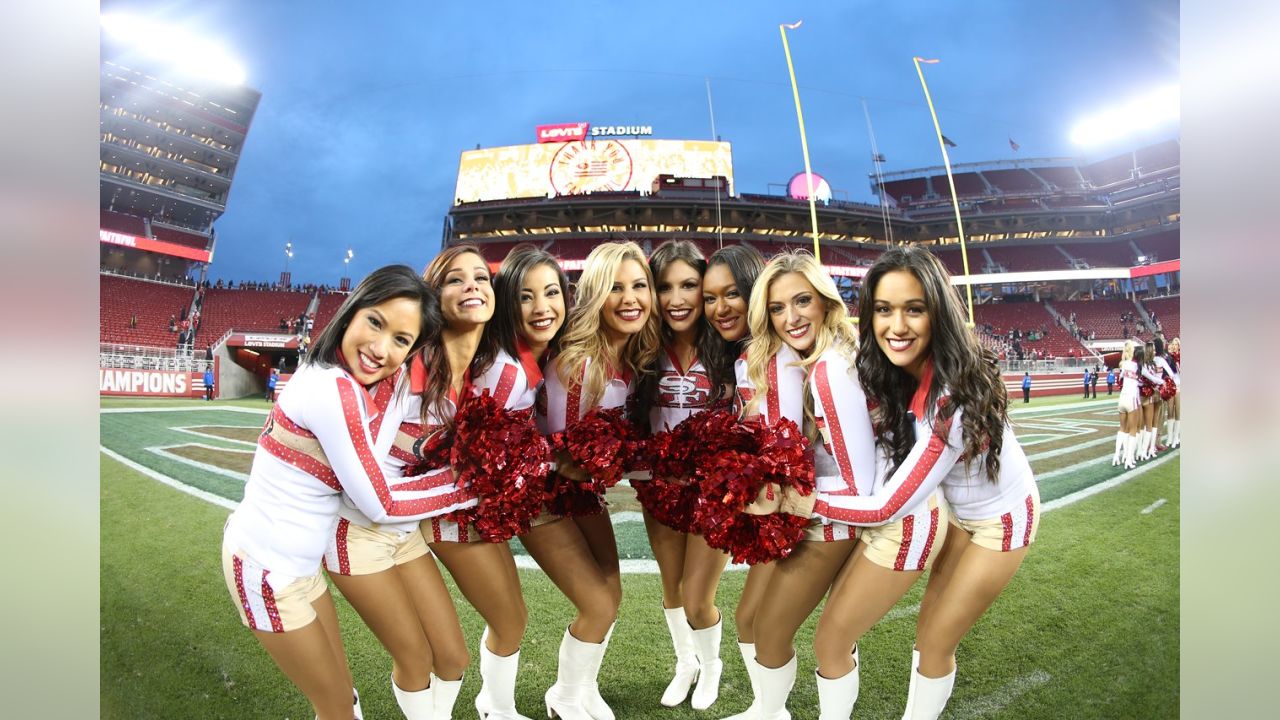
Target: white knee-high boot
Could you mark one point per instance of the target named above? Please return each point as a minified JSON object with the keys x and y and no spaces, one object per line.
{"x":748,"y":651}
{"x":1130,"y":448}
{"x":706,"y":646}
{"x":593,"y":702}
{"x":686,"y":657}
{"x":573,"y":678}
{"x":418,"y":704}
{"x":836,"y":697}
{"x":915,"y":665}
{"x":928,"y":696}
{"x":1118,"y":457}
{"x":497,"y":697}
{"x":446,"y":695}
{"x":355,"y":704}
{"x":1177,"y":432}
{"x":775,"y":687}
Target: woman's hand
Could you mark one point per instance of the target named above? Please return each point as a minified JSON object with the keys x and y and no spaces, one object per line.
{"x":566,"y":467}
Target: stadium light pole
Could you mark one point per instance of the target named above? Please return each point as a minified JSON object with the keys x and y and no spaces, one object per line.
{"x":288,"y":255}
{"x":346,"y":262}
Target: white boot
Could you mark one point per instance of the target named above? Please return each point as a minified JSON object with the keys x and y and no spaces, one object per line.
{"x":419,"y":704}
{"x":355,"y":704}
{"x":837,"y":697}
{"x":748,"y":651}
{"x":1177,"y":432}
{"x":1130,"y":447}
{"x":686,"y":658}
{"x":915,"y":665}
{"x":573,"y":678}
{"x":497,"y":697}
{"x":1168,"y":433}
{"x":706,"y":645}
{"x":775,"y":686}
{"x":593,"y":702}
{"x":928,"y":696}
{"x":446,"y":695}
{"x":1151,"y":442}
{"x":1118,"y":457}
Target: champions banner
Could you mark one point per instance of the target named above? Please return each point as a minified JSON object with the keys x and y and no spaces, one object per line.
{"x":584,"y":166}
{"x":150,"y":383}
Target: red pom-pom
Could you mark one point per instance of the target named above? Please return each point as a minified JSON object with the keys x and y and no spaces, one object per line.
{"x":501,"y":456}
{"x":776,"y":453}
{"x":673,"y":494}
{"x":1168,"y":389}
{"x":604,"y":444}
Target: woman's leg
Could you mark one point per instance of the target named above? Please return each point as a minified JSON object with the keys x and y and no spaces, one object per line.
{"x":753,"y":592}
{"x":703,"y":566}
{"x":486,"y":575}
{"x":383,"y":602}
{"x":561,"y":550}
{"x":798,"y":585}
{"x":437,"y":615}
{"x":306,"y":656}
{"x":669,"y":550}
{"x":597,"y":530}
{"x":861,"y":595}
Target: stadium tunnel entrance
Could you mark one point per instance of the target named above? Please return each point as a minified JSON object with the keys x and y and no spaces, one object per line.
{"x":243,"y":363}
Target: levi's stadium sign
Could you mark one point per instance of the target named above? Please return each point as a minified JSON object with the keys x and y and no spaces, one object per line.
{"x":570,"y":132}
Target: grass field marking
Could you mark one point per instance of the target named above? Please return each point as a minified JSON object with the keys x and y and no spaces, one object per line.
{"x":1153,"y":506}
{"x":997,"y":701}
{"x":626,"y":516}
{"x":1062,"y":408}
{"x":165,"y":479}
{"x":1067,"y":450}
{"x":183,"y":408}
{"x":219,"y":438}
{"x":163,"y":451}
{"x":1125,"y":477}
{"x":901,"y":612}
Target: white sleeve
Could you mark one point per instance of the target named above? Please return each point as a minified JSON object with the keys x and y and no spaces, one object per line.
{"x":920,"y":474}
{"x":508,"y":384}
{"x":847,"y":422}
{"x":1153,"y":377}
{"x":340,"y":422}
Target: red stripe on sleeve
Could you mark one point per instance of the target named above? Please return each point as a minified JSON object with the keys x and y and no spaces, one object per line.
{"x":506,"y":383}
{"x":832,"y":418}
{"x":772,"y":397}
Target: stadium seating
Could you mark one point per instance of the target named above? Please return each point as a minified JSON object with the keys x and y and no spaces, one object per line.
{"x":1116,"y":253}
{"x":1021,"y":258}
{"x":1101,"y":317}
{"x":246,"y":310}
{"x":120,"y":222}
{"x":1028,"y":316}
{"x":153,"y":302}
{"x":1168,"y":313}
{"x":1162,"y":246}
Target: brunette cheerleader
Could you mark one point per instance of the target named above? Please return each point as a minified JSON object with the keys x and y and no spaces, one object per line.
{"x":944,"y":423}
{"x":610,"y":339}
{"x":797,"y":305}
{"x":1174,"y":402}
{"x":324,"y":440}
{"x":690,"y":570}
{"x":1149,"y":381}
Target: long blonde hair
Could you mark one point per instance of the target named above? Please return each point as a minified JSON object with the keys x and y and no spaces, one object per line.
{"x":1127,"y":353}
{"x":583,"y":337}
{"x":835,"y":330}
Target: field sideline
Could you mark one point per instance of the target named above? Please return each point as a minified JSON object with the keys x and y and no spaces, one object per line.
{"x":1088,"y":629}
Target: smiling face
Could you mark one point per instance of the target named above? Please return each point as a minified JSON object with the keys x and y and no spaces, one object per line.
{"x":379,"y":337}
{"x":680,"y":296}
{"x":900,"y":320}
{"x":796,"y":311}
{"x":466,"y":297}
{"x":541,"y":306}
{"x":627,"y":307}
{"x":724,"y":304}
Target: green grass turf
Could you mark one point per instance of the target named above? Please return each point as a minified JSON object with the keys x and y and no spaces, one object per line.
{"x":1088,"y":628}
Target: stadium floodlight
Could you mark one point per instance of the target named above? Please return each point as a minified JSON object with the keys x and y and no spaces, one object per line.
{"x":183,"y":51}
{"x":1152,"y":110}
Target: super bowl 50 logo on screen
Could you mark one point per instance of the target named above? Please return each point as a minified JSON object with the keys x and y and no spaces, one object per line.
{"x":591,"y":166}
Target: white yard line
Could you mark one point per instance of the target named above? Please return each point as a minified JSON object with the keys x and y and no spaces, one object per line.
{"x":1000,"y":699}
{"x":163,"y":451}
{"x":1079,"y":495}
{"x":211,"y":436}
{"x":165,"y":479}
{"x":184,"y":408}
{"x":1153,"y":506}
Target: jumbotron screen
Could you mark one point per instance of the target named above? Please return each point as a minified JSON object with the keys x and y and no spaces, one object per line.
{"x":586,"y":166}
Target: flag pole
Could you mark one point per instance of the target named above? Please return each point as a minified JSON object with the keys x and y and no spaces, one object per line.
{"x":804,"y":143}
{"x":946,"y":161}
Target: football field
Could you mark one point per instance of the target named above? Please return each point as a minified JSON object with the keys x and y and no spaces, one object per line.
{"x":1087,"y":629}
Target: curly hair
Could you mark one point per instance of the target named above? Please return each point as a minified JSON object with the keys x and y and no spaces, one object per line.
{"x":434,"y":355}
{"x":961,"y":366}
{"x":584,"y":338}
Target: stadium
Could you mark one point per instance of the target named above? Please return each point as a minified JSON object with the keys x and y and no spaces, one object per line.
{"x":1066,"y":259}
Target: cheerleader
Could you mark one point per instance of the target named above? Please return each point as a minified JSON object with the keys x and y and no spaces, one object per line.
{"x":690,"y":569}
{"x":1174,"y":402}
{"x":945,"y":424}
{"x":1130,"y":407}
{"x":867,"y":571}
{"x":611,"y":337}
{"x":324,"y":441}
{"x":1149,"y":381}
{"x":485,"y":572}
{"x":726,"y":289}
{"x":529,"y":302}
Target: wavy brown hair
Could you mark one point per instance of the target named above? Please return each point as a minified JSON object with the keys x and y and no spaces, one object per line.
{"x":961,"y":367}
{"x":667,"y":253}
{"x":717,"y":354}
{"x":439,"y":376}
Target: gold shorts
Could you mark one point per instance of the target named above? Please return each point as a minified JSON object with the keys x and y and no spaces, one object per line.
{"x":1011,"y":531}
{"x":270,"y":604}
{"x":911,"y":543}
{"x":358,"y":550}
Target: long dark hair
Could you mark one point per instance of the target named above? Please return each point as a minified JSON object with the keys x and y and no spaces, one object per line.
{"x":439,"y":375}
{"x":961,"y":366}
{"x":385,"y":283}
{"x":507,"y":285}
{"x":667,"y":253}
{"x":745,"y":265}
